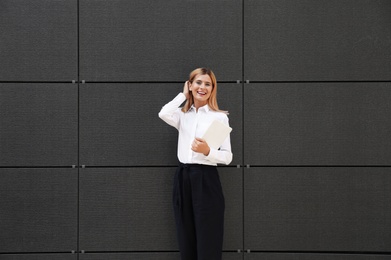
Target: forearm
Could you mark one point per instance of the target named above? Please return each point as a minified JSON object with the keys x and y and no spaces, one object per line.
{"x":168,"y":110}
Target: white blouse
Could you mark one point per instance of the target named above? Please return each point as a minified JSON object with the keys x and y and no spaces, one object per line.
{"x":194,"y":124}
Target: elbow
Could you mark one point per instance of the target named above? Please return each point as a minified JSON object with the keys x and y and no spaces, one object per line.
{"x":161,"y":115}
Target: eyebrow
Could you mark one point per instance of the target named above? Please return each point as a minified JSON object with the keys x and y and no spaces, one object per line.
{"x":204,"y":81}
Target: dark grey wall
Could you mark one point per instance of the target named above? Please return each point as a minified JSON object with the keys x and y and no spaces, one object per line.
{"x":86,"y":166}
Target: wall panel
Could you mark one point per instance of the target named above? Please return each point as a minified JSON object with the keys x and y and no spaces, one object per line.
{"x":38,"y":40}
{"x":317,"y":209}
{"x":305,"y":40}
{"x":317,"y":124}
{"x":130,"y":41}
{"x":119,"y":124}
{"x":126,"y":209}
{"x":39,"y":124}
{"x":232,"y":183}
{"x":230,"y":98}
{"x":38,"y":211}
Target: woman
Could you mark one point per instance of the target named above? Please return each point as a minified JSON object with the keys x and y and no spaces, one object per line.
{"x":198,"y":197}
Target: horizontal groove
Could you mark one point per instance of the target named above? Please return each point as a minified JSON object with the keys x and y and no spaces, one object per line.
{"x":33,"y":167}
{"x":385,"y":253}
{"x":219,"y":81}
{"x":318,"y":166}
{"x":150,"y":166}
{"x":40,"y":82}
{"x":148,"y":82}
{"x":219,"y":166}
{"x":122,"y":252}
{"x":132,"y":82}
{"x":128,"y":166}
{"x":325,"y":252}
{"x":319,"y":81}
{"x":142,"y":251}
{"x":37,"y":253}
{"x":106,"y":82}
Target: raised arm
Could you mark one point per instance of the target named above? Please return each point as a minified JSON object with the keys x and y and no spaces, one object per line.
{"x":170,"y":111}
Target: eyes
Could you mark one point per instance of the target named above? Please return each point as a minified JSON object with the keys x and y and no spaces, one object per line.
{"x":199,"y":82}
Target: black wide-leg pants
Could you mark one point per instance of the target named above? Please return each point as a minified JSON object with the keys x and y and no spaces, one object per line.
{"x":199,"y":212}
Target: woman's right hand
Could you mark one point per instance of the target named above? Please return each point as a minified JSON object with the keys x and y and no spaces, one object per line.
{"x":186,"y":89}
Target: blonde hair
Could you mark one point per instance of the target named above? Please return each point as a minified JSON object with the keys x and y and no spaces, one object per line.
{"x":212,"y":101}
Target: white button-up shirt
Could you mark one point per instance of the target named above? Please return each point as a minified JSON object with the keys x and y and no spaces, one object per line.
{"x":193,"y":124}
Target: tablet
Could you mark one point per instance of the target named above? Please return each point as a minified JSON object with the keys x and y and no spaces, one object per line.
{"x":216,"y":134}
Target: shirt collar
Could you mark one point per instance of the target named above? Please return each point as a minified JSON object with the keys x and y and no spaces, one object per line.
{"x":203,"y":108}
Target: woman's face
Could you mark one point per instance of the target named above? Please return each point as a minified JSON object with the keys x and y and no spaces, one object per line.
{"x":201,"y":88}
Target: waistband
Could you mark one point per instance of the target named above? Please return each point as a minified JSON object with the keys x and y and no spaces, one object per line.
{"x":195,"y":165}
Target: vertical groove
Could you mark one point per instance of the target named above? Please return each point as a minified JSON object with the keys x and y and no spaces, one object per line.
{"x":242,"y":85}
{"x":78,"y":127}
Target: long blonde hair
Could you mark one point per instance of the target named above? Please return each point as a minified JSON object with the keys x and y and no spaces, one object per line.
{"x":212,"y":101}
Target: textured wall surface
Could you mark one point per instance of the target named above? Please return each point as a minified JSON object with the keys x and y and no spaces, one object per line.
{"x":86,"y":165}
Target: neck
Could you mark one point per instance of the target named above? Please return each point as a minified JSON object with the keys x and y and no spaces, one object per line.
{"x":198,"y":104}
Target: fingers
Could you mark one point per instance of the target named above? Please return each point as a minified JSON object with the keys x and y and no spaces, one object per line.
{"x":194,"y":145}
{"x":197,"y":143}
{"x":200,"y":140}
{"x":200,"y":146}
{"x":186,"y":89}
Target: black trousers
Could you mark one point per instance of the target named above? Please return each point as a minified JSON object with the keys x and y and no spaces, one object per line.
{"x":199,"y":212}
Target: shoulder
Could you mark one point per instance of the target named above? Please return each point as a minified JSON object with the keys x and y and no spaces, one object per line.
{"x":219,"y":115}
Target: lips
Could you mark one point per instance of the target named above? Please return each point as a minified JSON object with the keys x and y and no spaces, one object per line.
{"x":201,"y":93}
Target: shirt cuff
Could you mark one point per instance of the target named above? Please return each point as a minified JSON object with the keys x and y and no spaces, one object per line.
{"x":180,"y":98}
{"x":212,"y":156}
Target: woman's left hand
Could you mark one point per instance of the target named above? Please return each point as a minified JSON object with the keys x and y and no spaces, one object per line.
{"x":199,"y":145}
